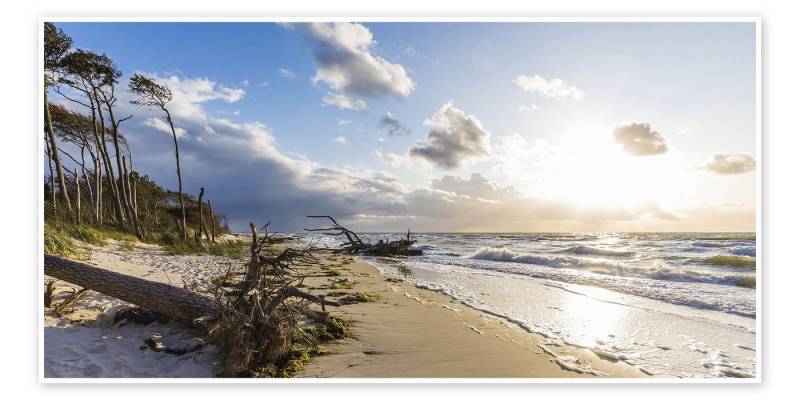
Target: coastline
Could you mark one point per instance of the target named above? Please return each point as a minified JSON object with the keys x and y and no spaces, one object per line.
{"x":405,"y":332}
{"x":413,"y":332}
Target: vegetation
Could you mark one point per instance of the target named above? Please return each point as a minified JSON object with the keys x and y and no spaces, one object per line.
{"x":93,"y":190}
{"x":229,"y":248}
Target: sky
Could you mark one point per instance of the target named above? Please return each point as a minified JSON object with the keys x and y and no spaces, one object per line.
{"x":444,"y":127}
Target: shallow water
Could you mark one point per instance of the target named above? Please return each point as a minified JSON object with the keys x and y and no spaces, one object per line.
{"x":673,"y":304}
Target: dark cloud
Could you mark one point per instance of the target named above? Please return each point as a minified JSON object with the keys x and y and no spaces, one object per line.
{"x":639,"y":139}
{"x":454,"y":137}
{"x":730,"y":164}
{"x":392,"y":126}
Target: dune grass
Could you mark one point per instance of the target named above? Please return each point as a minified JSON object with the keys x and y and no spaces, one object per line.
{"x":229,"y":248}
{"x":59,"y":242}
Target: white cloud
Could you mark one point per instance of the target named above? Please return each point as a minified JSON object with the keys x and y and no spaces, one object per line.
{"x":550,"y":88}
{"x":454,"y":137}
{"x":189,"y":93}
{"x":343,"y":121}
{"x":730,"y":164}
{"x":264,"y":84}
{"x":287,"y":73}
{"x":476,"y":186}
{"x":245,"y":83}
{"x":162,"y":126}
{"x":345,"y":63}
{"x":344,"y":102}
{"x":639,"y":139}
{"x":527,"y":108}
{"x":340,"y":140}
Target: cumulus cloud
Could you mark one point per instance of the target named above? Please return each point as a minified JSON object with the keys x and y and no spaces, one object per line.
{"x":345,"y":62}
{"x":340,"y":140}
{"x":162,"y":126}
{"x":392,"y":126}
{"x":550,"y":88}
{"x":454,"y":137}
{"x":730,"y":164}
{"x":250,"y":179}
{"x":639,"y":139}
{"x":189,"y":93}
{"x":476,"y":186}
{"x":344,"y":102}
{"x":343,"y":121}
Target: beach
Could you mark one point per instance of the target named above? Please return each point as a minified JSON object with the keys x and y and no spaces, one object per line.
{"x":405,"y":332}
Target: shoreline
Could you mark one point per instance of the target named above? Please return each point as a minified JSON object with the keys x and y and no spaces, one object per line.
{"x":413,"y":332}
{"x":405,"y":332}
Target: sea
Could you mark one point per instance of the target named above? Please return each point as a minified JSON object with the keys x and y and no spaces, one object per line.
{"x":672,"y":304}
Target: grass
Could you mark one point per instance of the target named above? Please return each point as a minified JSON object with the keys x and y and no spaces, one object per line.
{"x":59,"y":242}
{"x":735,"y":261}
{"x":232,"y":249}
{"x":126,"y":245}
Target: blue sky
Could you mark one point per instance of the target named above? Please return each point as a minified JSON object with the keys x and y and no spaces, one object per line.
{"x":563,"y":141}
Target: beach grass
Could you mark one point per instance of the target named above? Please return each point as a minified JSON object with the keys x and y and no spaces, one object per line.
{"x":229,"y":248}
{"x":59,"y":242}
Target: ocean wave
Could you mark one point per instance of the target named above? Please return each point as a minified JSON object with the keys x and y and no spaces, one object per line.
{"x":506,"y":255}
{"x":732,"y":261}
{"x":658,"y":271}
{"x":594,"y":251}
{"x":744,"y":251}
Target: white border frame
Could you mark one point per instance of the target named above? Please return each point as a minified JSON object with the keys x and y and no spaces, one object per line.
{"x":759,"y":204}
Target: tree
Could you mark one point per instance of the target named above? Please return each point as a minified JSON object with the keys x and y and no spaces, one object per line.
{"x":56,"y":46}
{"x":152,"y":94}
{"x":89,"y":73}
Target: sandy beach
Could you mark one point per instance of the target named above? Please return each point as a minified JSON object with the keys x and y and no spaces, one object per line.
{"x":405,"y":332}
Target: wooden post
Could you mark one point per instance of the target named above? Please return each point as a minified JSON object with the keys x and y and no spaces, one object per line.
{"x":213,"y":223}
{"x":199,"y":235}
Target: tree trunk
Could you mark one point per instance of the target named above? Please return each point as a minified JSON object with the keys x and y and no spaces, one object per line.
{"x":200,"y":214}
{"x":77,"y":198}
{"x":52,"y":177}
{"x":128,"y":202}
{"x":112,"y":182}
{"x":178,"y":164}
{"x":213,"y":223}
{"x":98,"y":184}
{"x":124,"y":199}
{"x":86,"y":177}
{"x":166,"y":299}
{"x":54,"y":153}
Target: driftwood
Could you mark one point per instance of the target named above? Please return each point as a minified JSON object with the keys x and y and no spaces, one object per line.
{"x":253,"y":323}
{"x":166,"y":299}
{"x":355,"y":245}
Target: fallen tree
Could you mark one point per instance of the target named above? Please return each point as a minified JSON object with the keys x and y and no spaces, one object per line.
{"x":166,"y":299}
{"x":253,"y":322}
{"x":354,"y":245}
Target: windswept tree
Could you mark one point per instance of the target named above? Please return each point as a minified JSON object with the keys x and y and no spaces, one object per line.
{"x":56,"y":46}
{"x":88,"y":74}
{"x":150,"y":93}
